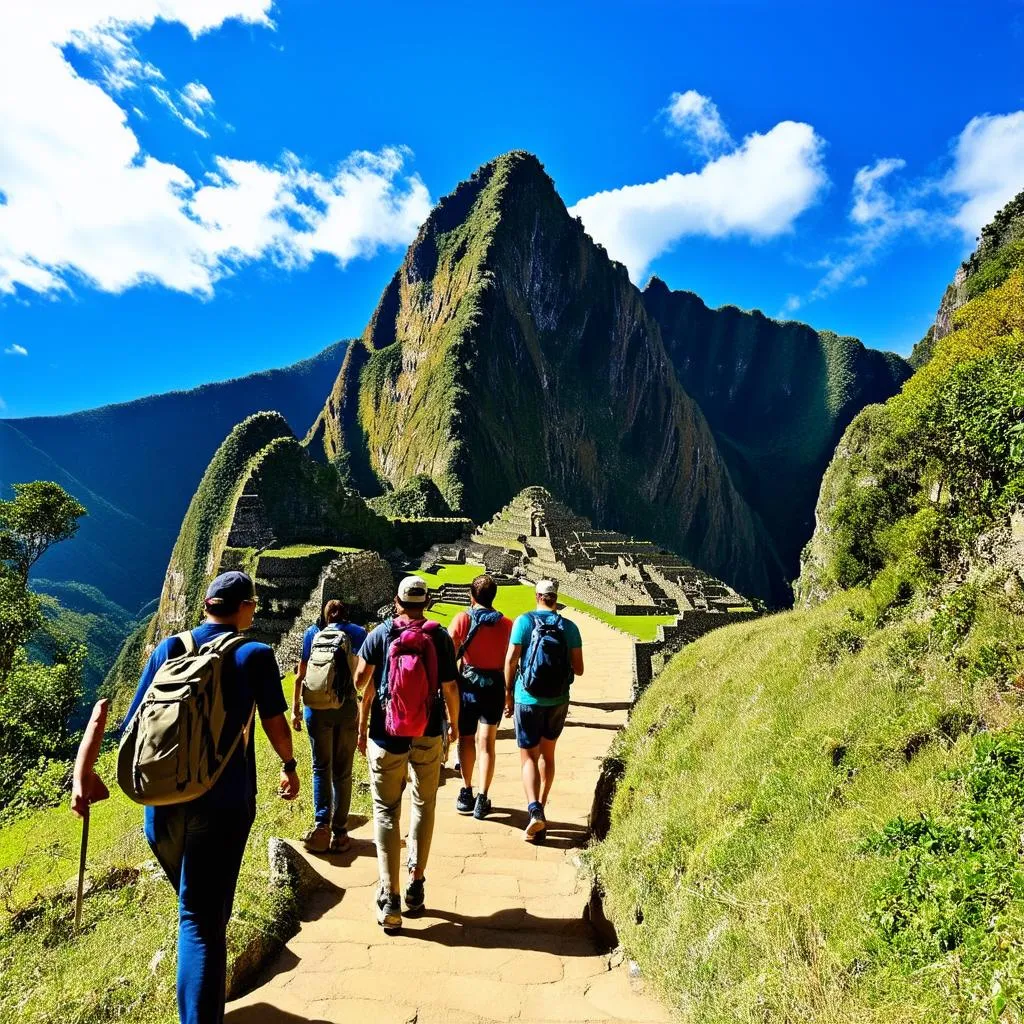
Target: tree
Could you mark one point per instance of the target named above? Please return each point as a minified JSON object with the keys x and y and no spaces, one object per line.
{"x":20,"y":617}
{"x":41,"y":514}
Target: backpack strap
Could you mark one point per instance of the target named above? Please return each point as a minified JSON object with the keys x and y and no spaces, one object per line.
{"x":188,"y":641}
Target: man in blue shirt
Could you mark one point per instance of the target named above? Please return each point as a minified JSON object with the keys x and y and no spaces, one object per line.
{"x":332,"y":736}
{"x":200,"y":844}
{"x":539,"y":720}
{"x":390,"y":758}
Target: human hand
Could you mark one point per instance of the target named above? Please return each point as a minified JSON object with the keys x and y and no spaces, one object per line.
{"x":87,"y":788}
{"x":453,"y":735}
{"x":361,"y":742}
{"x":296,"y":720}
{"x":510,"y":706}
{"x":288,"y":788}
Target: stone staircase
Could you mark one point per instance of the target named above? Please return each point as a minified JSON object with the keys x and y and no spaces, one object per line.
{"x":451,"y":593}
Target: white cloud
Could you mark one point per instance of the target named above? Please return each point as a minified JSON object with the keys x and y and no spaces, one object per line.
{"x":196,"y":98}
{"x":878,"y":217}
{"x":697,"y":119}
{"x":83,"y":200}
{"x":757,"y":191}
{"x":3,"y":405}
{"x":165,"y":98}
{"x":15,"y":350}
{"x":988,"y":169}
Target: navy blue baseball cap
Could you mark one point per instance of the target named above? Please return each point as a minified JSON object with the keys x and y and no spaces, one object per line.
{"x":228,"y":591}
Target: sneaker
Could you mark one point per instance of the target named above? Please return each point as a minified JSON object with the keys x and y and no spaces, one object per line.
{"x":317,"y":839}
{"x":464,"y":801}
{"x":537,"y":825}
{"x":340,"y":842}
{"x":414,"y":897}
{"x":482,"y":808}
{"x":389,"y":912}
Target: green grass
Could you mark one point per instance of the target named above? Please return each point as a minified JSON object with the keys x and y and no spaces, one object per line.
{"x":758,"y":766}
{"x":304,"y":550}
{"x":514,"y":601}
{"x":52,"y":976}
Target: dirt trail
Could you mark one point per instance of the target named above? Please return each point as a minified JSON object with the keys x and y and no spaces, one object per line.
{"x":502,"y":938}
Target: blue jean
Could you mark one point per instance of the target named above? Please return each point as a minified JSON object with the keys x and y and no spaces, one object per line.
{"x":332,"y":736}
{"x":200,"y":845}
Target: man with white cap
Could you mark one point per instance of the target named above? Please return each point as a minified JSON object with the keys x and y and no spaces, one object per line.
{"x":406,"y":668}
{"x":545,"y":654}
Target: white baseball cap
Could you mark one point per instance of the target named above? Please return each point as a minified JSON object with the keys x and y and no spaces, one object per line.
{"x":413,"y":590}
{"x":546,"y":587}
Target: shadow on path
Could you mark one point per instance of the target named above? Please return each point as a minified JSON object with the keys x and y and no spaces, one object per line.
{"x":515,"y":928}
{"x":264,"y":1013}
{"x":610,"y":705}
{"x":561,"y":835}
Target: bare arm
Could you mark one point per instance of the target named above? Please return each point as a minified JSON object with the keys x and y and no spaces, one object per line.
{"x":87,"y":787}
{"x":576,"y":657}
{"x":280,"y":737}
{"x":512,"y":656}
{"x":364,"y":684}
{"x":450,"y":692}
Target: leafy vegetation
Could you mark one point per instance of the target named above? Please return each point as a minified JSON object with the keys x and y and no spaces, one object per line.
{"x":418,"y":498}
{"x":916,"y":480}
{"x":37,"y":698}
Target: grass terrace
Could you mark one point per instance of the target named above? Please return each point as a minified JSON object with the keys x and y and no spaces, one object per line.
{"x":515,"y":600}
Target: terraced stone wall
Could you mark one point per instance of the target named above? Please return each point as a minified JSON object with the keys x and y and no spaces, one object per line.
{"x":362,"y":579}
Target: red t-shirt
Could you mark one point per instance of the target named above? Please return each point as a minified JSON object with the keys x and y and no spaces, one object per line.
{"x":487,"y":651}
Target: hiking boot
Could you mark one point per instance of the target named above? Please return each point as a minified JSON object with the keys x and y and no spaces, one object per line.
{"x":317,"y":839}
{"x":482,"y":808}
{"x":537,"y":825}
{"x":414,"y":897}
{"x":340,"y":842}
{"x":464,"y":801}
{"x":389,"y":912}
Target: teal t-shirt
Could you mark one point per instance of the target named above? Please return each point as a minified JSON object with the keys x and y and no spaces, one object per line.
{"x":521,"y":630}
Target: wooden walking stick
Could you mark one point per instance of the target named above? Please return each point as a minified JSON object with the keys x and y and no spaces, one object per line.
{"x":87,"y":788}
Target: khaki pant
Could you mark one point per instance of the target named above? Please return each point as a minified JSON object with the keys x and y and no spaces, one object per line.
{"x":388,"y":775}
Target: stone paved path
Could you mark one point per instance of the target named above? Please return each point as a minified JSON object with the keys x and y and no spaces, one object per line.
{"x":502,"y":938}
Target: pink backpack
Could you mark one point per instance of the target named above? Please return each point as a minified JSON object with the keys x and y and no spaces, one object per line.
{"x":411,"y":678}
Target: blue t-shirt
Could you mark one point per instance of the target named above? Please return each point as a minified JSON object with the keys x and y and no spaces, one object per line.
{"x":374,"y":652}
{"x":522,"y":629}
{"x":356,"y":635}
{"x":251,"y":676}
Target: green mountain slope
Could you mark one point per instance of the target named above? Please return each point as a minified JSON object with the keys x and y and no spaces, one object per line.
{"x":820,"y":813}
{"x":510,"y":350}
{"x":777,"y":397}
{"x":136,"y":465}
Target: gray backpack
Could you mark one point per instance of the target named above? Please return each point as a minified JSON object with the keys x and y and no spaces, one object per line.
{"x":172,"y":749}
{"x":328,"y":682}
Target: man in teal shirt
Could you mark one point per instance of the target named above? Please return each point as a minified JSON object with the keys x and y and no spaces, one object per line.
{"x":540,"y":717}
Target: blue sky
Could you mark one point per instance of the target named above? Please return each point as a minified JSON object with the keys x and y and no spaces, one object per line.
{"x":184,"y":200}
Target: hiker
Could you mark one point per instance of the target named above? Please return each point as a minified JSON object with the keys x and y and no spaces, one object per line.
{"x":406,"y":668}
{"x":544,"y":655}
{"x":324,"y":685}
{"x":199,"y":843}
{"x":481,"y":638}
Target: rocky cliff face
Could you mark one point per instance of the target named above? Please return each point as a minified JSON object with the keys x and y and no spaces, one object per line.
{"x":777,"y":397}
{"x":1000,"y":250}
{"x":510,"y":350}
